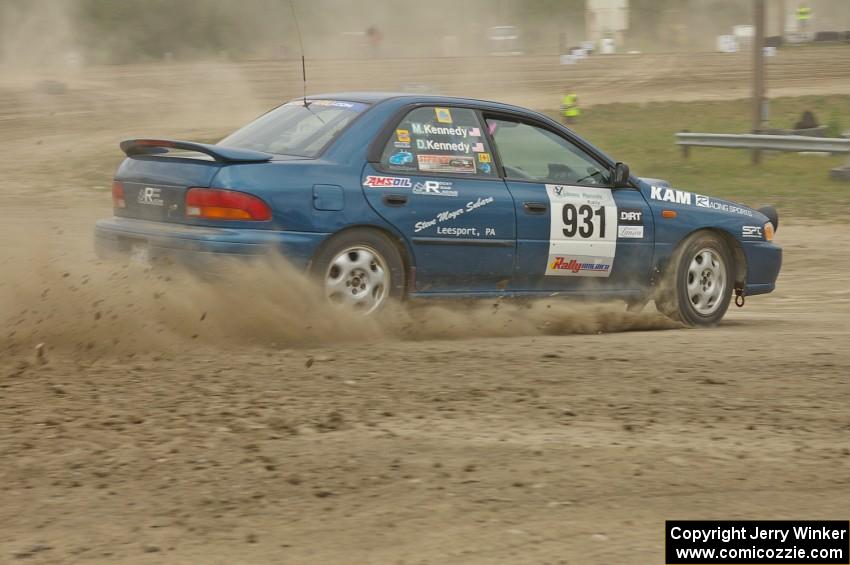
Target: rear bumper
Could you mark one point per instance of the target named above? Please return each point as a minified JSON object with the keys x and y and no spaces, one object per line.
{"x":200,"y":247}
{"x":764,"y":260}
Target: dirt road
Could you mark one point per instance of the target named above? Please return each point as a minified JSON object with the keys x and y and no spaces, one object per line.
{"x":167,"y":421}
{"x":571,"y":440}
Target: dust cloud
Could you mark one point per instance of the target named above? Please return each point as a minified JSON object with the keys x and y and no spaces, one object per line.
{"x":59,"y":150}
{"x":60,"y":146}
{"x":66,"y":299}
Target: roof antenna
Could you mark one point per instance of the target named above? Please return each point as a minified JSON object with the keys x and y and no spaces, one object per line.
{"x":300,"y":46}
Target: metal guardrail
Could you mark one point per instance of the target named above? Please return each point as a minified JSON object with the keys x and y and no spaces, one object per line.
{"x":795,"y":143}
{"x":761,"y":142}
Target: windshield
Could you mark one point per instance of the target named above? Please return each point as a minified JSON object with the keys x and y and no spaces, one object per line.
{"x":293,"y":129}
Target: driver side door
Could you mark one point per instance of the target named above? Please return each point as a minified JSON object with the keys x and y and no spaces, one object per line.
{"x":574,"y":231}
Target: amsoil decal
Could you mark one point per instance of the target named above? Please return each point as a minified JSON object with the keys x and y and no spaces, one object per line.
{"x":387,"y":182}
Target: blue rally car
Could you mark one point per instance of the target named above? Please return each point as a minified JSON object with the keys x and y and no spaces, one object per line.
{"x":385,"y":196}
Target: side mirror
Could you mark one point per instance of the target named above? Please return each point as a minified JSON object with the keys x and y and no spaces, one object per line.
{"x":621,"y":175}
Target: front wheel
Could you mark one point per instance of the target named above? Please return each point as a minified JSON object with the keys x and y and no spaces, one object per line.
{"x":361,"y":269}
{"x":697,"y":286}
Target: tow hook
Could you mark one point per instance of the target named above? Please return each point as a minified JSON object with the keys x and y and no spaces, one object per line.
{"x":739,"y":297}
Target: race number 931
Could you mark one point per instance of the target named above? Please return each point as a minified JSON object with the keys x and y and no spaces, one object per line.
{"x":583,"y":220}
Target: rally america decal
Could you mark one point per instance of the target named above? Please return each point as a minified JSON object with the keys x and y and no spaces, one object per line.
{"x":582,"y":232}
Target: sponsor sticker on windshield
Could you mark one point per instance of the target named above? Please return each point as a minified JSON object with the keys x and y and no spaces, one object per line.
{"x":446,"y":163}
{"x":356,"y":106}
{"x":451,"y":131}
{"x":444,"y":116}
{"x":402,"y":158}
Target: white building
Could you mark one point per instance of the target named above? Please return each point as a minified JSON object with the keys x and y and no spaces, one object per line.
{"x":606,"y":19}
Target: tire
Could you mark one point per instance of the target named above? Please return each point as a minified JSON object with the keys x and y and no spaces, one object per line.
{"x":361,"y":268}
{"x":697,"y":285}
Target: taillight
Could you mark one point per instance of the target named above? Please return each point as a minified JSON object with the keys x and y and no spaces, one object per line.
{"x":218,"y":204}
{"x":118,"y":195}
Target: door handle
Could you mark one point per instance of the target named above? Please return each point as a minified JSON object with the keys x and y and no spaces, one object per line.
{"x":395,"y":199}
{"x":535,"y":207}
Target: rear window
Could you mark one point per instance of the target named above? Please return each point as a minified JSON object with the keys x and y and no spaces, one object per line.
{"x":296,"y":129}
{"x":438,"y":140}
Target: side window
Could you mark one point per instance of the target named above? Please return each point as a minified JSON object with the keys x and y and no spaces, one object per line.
{"x":536,"y":154}
{"x":439,"y":140}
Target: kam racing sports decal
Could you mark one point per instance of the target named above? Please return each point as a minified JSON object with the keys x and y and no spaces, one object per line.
{"x":675,"y":196}
{"x":582,"y":231}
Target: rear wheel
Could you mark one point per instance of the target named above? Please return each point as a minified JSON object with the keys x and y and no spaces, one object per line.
{"x":361,"y":269}
{"x":697,"y":286}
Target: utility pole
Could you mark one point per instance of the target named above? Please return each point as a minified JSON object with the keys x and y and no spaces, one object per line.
{"x":759,"y":101}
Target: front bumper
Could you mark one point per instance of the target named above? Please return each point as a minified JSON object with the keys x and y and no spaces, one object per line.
{"x":764,"y":260}
{"x":200,"y":248}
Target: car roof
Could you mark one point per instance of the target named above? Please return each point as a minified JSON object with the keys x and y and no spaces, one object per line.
{"x":400,"y":99}
{"x":377,"y":97}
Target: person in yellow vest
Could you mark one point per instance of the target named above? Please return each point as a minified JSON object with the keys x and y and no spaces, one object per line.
{"x":569,"y":108}
{"x":804,"y":17}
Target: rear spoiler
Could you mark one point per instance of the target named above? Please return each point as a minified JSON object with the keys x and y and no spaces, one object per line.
{"x":133,"y":147}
